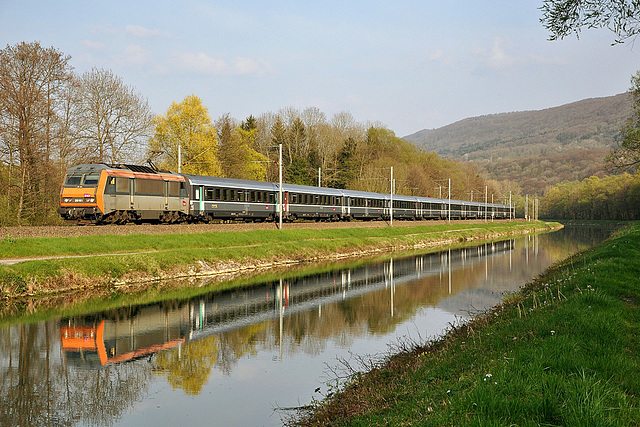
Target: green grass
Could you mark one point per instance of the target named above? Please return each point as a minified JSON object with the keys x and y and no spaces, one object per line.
{"x":564,"y":351}
{"x":109,"y":259}
{"x":69,"y":305}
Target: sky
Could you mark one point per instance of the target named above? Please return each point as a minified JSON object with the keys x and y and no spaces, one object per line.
{"x":409,"y":65}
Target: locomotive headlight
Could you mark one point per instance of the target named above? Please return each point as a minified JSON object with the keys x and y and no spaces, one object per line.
{"x":67,"y":200}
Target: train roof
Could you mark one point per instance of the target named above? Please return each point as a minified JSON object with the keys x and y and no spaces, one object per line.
{"x":231,"y":182}
{"x":309,"y":189}
{"x":87,"y":167}
{"x":364,"y":194}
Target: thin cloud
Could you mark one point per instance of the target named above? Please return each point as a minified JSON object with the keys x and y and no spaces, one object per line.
{"x":442,"y":58}
{"x":134,"y":55}
{"x":497,"y":57}
{"x":140,"y":31}
{"x":93,"y":45}
{"x":201,"y":63}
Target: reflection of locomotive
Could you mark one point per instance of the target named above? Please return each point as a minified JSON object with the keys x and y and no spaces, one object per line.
{"x":133,"y":332}
{"x":120,"y":193}
{"x":98,"y":341}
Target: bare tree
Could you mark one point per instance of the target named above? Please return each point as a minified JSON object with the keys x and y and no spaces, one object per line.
{"x":116,"y":119}
{"x":68,"y":148}
{"x":31,"y":81}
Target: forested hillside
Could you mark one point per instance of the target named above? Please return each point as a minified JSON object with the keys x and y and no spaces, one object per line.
{"x":536,"y":149}
{"x":613,"y":197}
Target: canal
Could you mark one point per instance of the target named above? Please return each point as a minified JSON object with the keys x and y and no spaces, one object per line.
{"x":246,"y":357}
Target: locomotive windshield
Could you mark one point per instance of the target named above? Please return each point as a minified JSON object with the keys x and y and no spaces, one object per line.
{"x":82,"y":179}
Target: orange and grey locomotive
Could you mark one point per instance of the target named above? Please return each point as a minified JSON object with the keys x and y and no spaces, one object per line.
{"x":113,"y":194}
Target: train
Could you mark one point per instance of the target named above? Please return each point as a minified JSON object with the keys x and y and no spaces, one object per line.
{"x":103,"y":193}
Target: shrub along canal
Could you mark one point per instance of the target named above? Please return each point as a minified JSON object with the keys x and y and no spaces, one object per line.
{"x":242,"y":357}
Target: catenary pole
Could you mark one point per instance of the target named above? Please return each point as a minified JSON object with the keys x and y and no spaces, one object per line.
{"x":280,"y":187}
{"x":391,"y":204}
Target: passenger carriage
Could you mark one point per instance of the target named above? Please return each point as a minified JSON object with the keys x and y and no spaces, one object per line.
{"x":318,"y":203}
{"x":214,"y":198}
{"x":364,"y":205}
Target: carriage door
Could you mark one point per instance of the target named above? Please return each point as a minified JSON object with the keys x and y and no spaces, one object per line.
{"x":200,"y":195}
{"x":166,"y":195}
{"x":285,"y":196}
{"x":132,"y":184}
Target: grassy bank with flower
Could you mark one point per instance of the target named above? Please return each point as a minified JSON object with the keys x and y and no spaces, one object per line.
{"x":44,"y":266}
{"x":563,"y":351}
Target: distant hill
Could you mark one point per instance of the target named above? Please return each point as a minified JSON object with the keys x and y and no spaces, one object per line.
{"x":535,"y":149}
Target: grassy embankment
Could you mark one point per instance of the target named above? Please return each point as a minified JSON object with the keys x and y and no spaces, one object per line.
{"x":109,"y":261}
{"x":563,"y":351}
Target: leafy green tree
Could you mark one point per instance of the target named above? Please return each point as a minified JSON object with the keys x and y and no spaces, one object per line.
{"x":610,"y":198}
{"x":563,"y":17}
{"x":299,"y":171}
{"x":346,"y":164}
{"x":186,"y":125}
{"x":249,"y":124}
{"x":238,"y":157}
{"x":627,"y":153}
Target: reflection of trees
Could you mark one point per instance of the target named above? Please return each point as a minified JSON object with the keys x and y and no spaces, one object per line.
{"x":188,"y":367}
{"x":38,"y":388}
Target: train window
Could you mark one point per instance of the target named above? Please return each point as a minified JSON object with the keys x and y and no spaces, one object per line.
{"x":225,"y":194}
{"x":73,"y":179}
{"x":208,"y":194}
{"x":294,"y":198}
{"x":240,"y":196}
{"x":122,"y":185}
{"x":232,"y":195}
{"x":174,"y":188}
{"x":272,"y":197}
{"x":91,"y":179}
{"x":316,"y":200}
{"x":110,"y":188}
{"x":217,"y":195}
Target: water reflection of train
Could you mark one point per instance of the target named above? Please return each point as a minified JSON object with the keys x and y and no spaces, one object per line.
{"x":130,"y":333}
